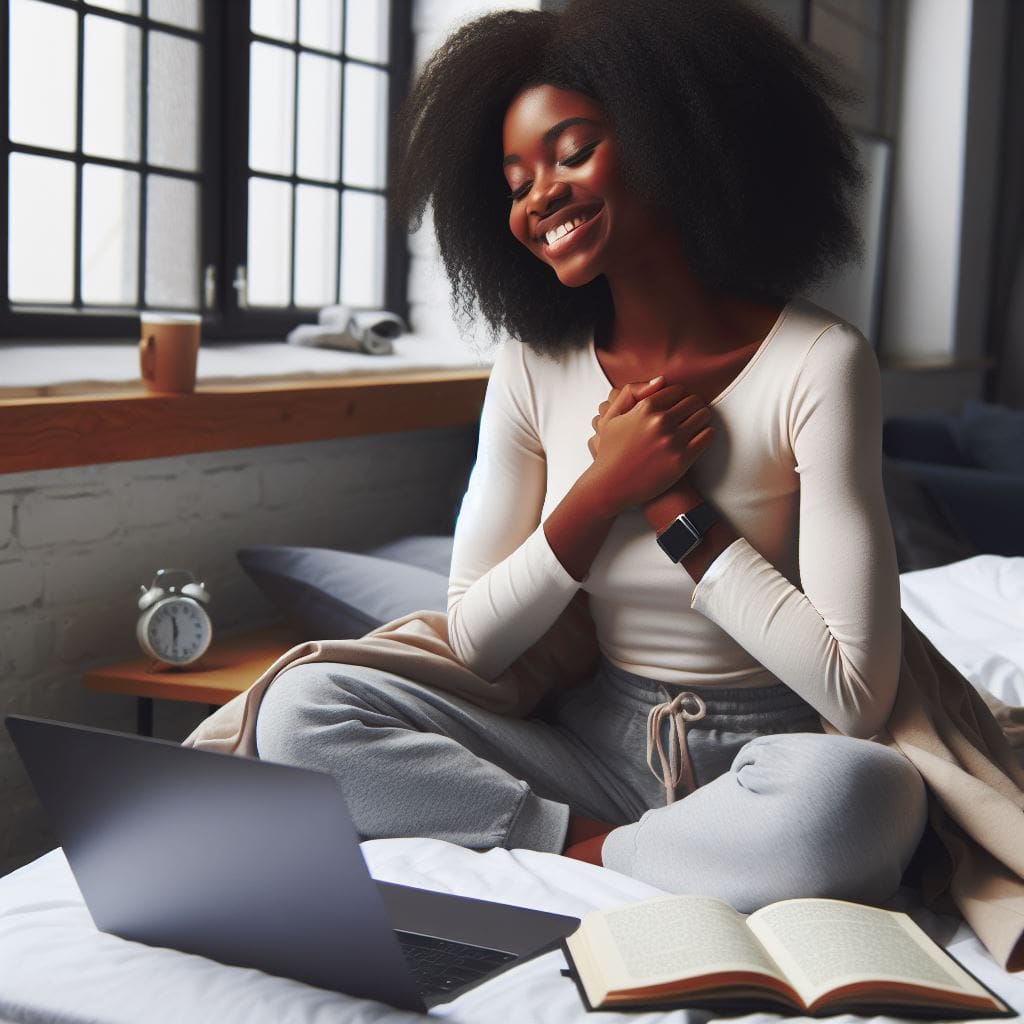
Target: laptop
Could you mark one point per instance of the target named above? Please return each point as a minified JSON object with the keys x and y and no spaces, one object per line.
{"x":258,"y":865}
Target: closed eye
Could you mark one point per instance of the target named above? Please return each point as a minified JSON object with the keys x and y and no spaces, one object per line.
{"x":573,"y":160}
{"x":581,"y":154}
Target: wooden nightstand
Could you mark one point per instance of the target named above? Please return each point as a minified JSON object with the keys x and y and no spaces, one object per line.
{"x":227,"y":668}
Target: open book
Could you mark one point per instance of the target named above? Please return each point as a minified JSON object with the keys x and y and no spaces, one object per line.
{"x":817,"y":956}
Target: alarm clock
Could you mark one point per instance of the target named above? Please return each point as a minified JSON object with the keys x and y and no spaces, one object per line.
{"x":174,"y":627}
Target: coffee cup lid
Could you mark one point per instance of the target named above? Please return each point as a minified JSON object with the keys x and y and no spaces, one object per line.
{"x":159,"y":317}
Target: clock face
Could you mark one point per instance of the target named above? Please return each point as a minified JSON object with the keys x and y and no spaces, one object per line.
{"x":178,"y":631}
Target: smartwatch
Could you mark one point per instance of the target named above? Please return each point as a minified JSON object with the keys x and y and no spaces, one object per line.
{"x":685,"y":532}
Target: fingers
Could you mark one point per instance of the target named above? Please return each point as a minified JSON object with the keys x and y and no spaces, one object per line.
{"x":678,"y":412}
{"x":623,"y":399}
{"x":620,"y":402}
{"x":647,"y":388}
{"x":688,"y":413}
{"x":673,"y":394}
{"x":701,"y":439}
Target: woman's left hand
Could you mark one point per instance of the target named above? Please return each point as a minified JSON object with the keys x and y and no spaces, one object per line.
{"x":640,"y":390}
{"x":681,"y":496}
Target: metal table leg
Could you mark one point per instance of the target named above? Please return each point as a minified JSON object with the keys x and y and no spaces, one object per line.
{"x":144,"y":716}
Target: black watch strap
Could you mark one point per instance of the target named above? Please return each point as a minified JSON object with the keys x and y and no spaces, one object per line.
{"x":686,"y":531}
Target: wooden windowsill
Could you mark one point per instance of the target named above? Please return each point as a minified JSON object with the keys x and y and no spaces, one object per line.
{"x":77,"y":430}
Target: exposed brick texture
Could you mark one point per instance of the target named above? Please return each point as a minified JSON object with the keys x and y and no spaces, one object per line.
{"x":21,"y":583}
{"x":75,"y":546}
{"x":6,"y":520}
{"x":65,"y":516}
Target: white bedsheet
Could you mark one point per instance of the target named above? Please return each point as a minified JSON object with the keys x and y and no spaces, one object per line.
{"x":973,"y":611}
{"x":55,"y":966}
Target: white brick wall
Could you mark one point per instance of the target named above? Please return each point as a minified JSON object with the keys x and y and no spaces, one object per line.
{"x":76,"y":544}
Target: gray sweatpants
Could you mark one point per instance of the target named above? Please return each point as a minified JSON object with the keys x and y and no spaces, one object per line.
{"x":780,"y":809}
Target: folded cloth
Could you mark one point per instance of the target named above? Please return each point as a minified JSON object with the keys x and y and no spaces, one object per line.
{"x":369,"y":331}
{"x":939,"y":722}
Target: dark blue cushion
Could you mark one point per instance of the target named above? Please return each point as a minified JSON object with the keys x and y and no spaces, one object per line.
{"x":924,"y":534}
{"x":992,"y":437}
{"x":924,"y":439}
{"x":984,"y":507}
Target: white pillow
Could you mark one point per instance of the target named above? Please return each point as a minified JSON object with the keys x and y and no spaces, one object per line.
{"x":973,"y":611}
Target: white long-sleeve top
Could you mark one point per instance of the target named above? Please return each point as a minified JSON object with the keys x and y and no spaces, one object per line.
{"x":808,"y":596}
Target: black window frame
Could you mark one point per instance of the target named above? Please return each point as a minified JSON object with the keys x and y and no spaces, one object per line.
{"x":223,"y":171}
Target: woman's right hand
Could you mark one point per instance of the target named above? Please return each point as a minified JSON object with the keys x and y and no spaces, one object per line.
{"x":646,"y":437}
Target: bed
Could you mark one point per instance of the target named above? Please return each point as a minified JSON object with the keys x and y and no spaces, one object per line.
{"x":55,"y":966}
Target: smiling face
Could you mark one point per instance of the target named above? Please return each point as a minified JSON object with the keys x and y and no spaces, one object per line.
{"x":569,"y":206}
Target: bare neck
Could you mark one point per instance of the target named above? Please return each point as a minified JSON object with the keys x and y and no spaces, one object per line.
{"x":661,"y":309}
{"x":667,"y":322}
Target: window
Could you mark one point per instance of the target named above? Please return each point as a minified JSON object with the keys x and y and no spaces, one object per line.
{"x":222,"y":157}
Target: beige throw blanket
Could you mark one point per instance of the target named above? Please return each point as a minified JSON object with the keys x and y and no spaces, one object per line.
{"x":939,"y":722}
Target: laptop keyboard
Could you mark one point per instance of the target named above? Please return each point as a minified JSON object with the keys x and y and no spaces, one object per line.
{"x":441,"y":965}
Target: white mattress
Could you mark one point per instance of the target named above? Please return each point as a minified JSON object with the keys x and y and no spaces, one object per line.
{"x":55,"y":966}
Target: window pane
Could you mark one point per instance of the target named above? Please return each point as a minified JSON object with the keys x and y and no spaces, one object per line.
{"x":271,"y":108}
{"x":40,"y":244}
{"x":366,"y":91}
{"x":183,"y":13}
{"x":124,"y":6}
{"x":320,"y":24}
{"x":273,"y":18}
{"x":316,"y":246}
{"x":172,"y":243}
{"x":319,"y":117}
{"x":366,"y":29}
{"x":43,"y":92}
{"x":362,"y":249}
{"x":269,"y":245}
{"x":110,"y":114}
{"x":172,"y":138}
{"x":110,"y":235}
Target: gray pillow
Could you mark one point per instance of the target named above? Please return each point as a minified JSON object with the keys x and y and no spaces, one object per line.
{"x":338,"y":595}
{"x":993,"y":437}
{"x":434,"y":553}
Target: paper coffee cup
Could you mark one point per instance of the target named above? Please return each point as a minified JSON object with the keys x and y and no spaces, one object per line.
{"x":169,"y":351}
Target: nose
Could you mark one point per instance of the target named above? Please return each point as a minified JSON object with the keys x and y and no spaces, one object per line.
{"x":547,"y":195}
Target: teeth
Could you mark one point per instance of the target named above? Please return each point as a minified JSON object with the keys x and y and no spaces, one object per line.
{"x":562,"y":230}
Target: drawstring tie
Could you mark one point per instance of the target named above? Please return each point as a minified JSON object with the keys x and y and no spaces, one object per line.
{"x":682,"y":708}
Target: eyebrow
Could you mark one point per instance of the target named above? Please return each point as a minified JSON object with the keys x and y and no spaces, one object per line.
{"x":551,"y":134}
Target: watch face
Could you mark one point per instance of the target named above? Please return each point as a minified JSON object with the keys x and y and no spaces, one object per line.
{"x":679,"y":539}
{"x":178,"y":631}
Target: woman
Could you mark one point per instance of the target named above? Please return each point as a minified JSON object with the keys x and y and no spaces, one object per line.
{"x":635,"y":194}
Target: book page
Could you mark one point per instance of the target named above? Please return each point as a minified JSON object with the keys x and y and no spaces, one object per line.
{"x":824,"y":944}
{"x":672,"y":938}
